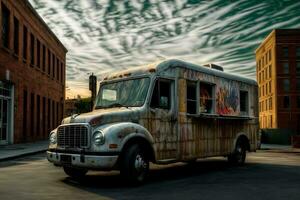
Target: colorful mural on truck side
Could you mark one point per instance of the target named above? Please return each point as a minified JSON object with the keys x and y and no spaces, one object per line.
{"x":227,"y":98}
{"x":227,"y":93}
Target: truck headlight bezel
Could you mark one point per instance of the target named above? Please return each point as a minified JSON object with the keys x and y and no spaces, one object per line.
{"x":99,"y":138}
{"x":53,"y":138}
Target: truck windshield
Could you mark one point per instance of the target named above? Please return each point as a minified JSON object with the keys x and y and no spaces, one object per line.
{"x":126,"y":93}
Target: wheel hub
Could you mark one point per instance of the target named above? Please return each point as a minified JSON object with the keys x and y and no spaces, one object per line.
{"x":140,"y":164}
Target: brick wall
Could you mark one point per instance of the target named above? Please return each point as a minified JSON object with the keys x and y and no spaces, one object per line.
{"x":34,"y":120}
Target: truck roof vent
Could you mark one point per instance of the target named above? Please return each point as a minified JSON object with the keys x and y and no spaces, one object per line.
{"x":213,"y":66}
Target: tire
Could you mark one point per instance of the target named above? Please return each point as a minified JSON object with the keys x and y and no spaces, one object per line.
{"x":134,"y":164}
{"x":75,"y":172}
{"x":238,"y":157}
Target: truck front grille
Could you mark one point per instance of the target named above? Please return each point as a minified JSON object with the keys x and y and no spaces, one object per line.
{"x":73,"y":136}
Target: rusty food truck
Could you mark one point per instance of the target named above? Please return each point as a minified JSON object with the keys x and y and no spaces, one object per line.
{"x":172,"y":111}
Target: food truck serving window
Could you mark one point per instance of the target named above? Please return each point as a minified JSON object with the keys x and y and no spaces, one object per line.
{"x":191,"y":97}
{"x":244,"y":102}
{"x":206,"y":98}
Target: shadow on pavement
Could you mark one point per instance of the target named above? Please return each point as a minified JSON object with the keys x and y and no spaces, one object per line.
{"x":208,"y":179}
{"x":158,"y":174}
{"x":22,"y":161}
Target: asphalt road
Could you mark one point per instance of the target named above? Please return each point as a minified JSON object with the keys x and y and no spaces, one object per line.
{"x":267,"y":175}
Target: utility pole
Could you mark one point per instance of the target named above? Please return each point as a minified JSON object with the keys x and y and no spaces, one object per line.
{"x":93,"y":88}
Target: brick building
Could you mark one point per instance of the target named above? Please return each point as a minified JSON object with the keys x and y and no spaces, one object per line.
{"x":32,"y":74}
{"x":278,"y":77}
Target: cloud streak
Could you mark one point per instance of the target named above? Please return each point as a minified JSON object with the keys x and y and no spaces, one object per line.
{"x":103,"y":36}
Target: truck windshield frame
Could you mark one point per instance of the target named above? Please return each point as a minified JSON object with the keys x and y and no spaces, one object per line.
{"x":123,"y":93}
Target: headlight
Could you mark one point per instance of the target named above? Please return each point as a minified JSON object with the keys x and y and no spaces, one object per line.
{"x":99,"y":138}
{"x":53,"y":138}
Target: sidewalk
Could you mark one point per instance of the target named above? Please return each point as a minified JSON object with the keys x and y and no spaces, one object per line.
{"x":275,"y":147}
{"x":279,"y":148}
{"x":9,"y":152}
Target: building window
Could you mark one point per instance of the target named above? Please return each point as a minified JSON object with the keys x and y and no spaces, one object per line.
{"x":260,"y":64}
{"x":44,"y":58}
{"x":244,"y":101}
{"x":44,"y":116}
{"x":270,"y":71}
{"x":32,"y":114}
{"x":270,"y":87}
{"x":53,"y":66}
{"x":285,"y":67}
{"x":265,"y":71}
{"x":61,"y":72}
{"x":49,"y":116}
{"x":38,"y":113}
{"x":298,"y":53}
{"x":191,"y":98}
{"x":298,"y":101}
{"x":53,"y":114}
{"x":57,"y":69}
{"x":206,"y":98}
{"x":38,"y":50}
{"x":286,"y":85}
{"x":161,"y":96}
{"x":57,"y":114}
{"x":32,"y":49}
{"x":24,"y":42}
{"x":16,"y":36}
{"x":270,"y":55}
{"x":5,"y":25}
{"x":49,"y":62}
{"x":285,"y":52}
{"x":286,"y":102}
{"x":298,"y":67}
{"x":298,"y":85}
{"x":62,"y":110}
{"x":25,"y":130}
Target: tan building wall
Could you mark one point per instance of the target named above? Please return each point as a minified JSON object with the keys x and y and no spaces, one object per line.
{"x":32,"y":64}
{"x":279,"y":92}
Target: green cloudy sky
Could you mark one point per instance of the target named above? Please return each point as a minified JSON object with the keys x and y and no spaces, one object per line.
{"x":109,"y":35}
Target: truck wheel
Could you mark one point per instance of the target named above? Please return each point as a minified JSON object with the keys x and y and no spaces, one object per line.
{"x":135,"y":164}
{"x":238,"y":157}
{"x":75,"y":173}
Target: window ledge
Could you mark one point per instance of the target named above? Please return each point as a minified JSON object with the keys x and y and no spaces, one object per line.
{"x":6,"y":49}
{"x":15,"y":55}
{"x":206,"y":115}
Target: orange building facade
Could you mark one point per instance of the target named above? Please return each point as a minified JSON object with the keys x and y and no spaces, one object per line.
{"x":278,"y":77}
{"x":32,"y":75}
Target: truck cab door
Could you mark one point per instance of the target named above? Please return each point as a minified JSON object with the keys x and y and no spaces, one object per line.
{"x":163,"y":119}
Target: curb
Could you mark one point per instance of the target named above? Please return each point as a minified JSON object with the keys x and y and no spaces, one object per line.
{"x":22,"y":155}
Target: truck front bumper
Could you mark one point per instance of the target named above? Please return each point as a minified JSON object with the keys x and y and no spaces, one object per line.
{"x":101,"y":162}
